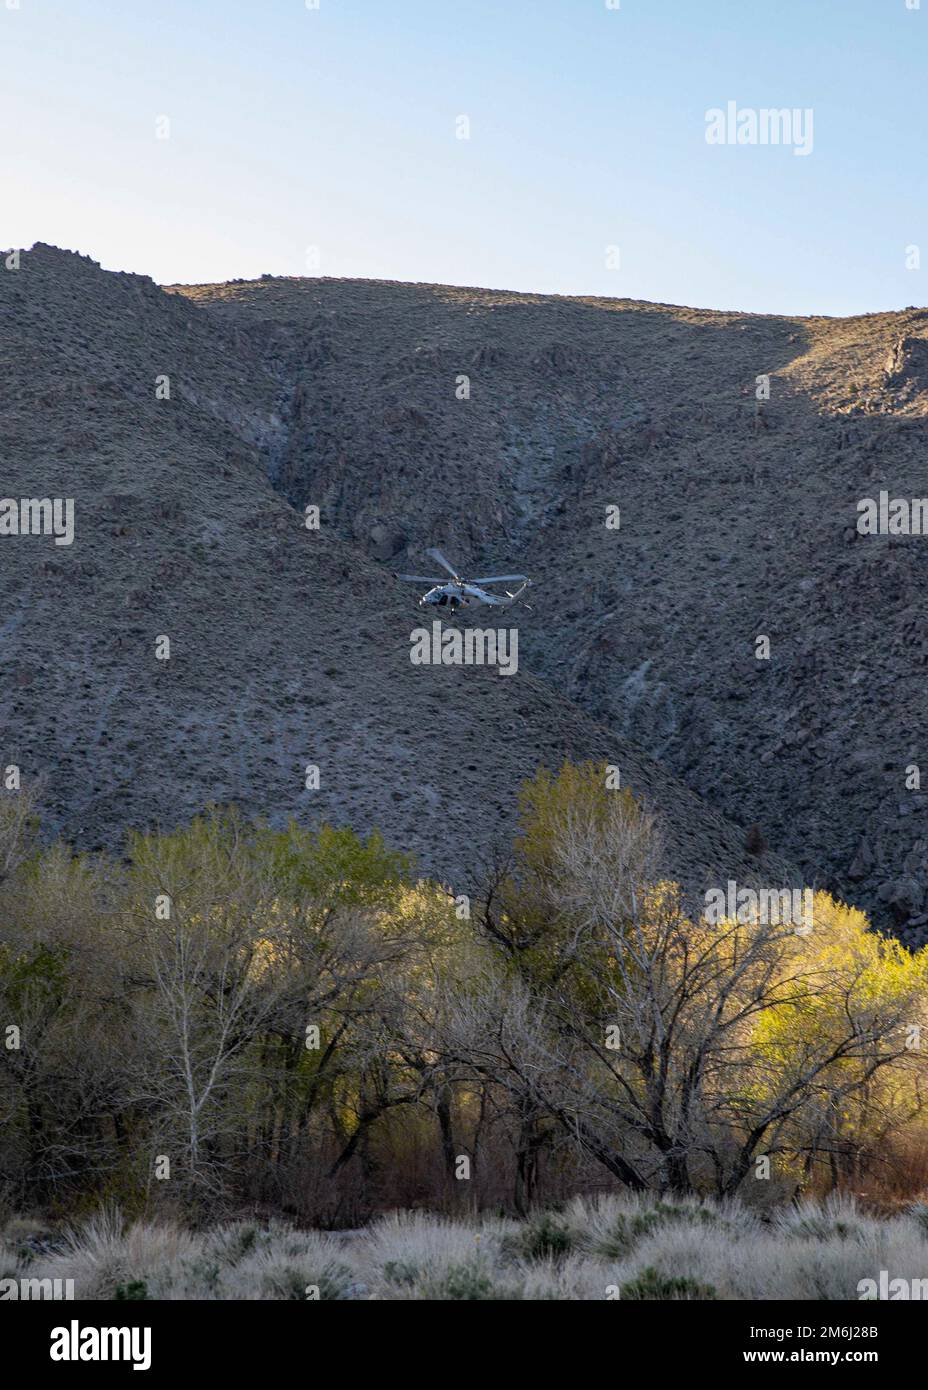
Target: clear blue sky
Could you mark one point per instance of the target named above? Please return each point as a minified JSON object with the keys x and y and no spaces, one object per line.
{"x":335,"y":128}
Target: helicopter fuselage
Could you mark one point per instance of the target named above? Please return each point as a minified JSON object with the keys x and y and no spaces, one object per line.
{"x":446,"y":596}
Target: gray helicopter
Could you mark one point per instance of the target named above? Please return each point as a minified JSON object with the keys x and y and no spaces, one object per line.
{"x":461,"y":593}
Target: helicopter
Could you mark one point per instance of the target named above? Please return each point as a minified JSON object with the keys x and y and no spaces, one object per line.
{"x":461,"y":593}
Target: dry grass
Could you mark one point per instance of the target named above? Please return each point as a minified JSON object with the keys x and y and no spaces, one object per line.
{"x":602,"y":1248}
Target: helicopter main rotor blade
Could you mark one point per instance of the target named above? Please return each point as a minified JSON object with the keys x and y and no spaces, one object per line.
{"x":499,"y":579}
{"x":421,"y":578}
{"x":445,"y":564}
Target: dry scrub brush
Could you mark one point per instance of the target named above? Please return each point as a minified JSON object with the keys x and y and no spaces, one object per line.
{"x":626,"y":1248}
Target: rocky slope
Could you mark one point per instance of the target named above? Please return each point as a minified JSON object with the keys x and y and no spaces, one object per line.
{"x":289,"y":647}
{"x":502,"y":426}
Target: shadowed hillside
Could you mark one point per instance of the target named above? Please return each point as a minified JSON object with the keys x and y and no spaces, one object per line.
{"x":737,"y":520}
{"x":288,"y":647}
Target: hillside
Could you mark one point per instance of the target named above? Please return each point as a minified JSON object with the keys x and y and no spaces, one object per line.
{"x":288,"y":647}
{"x":737,"y":520}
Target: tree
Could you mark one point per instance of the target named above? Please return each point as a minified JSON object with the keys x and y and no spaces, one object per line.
{"x":245,"y":940}
{"x":673,"y":1050}
{"x":19,"y":828}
